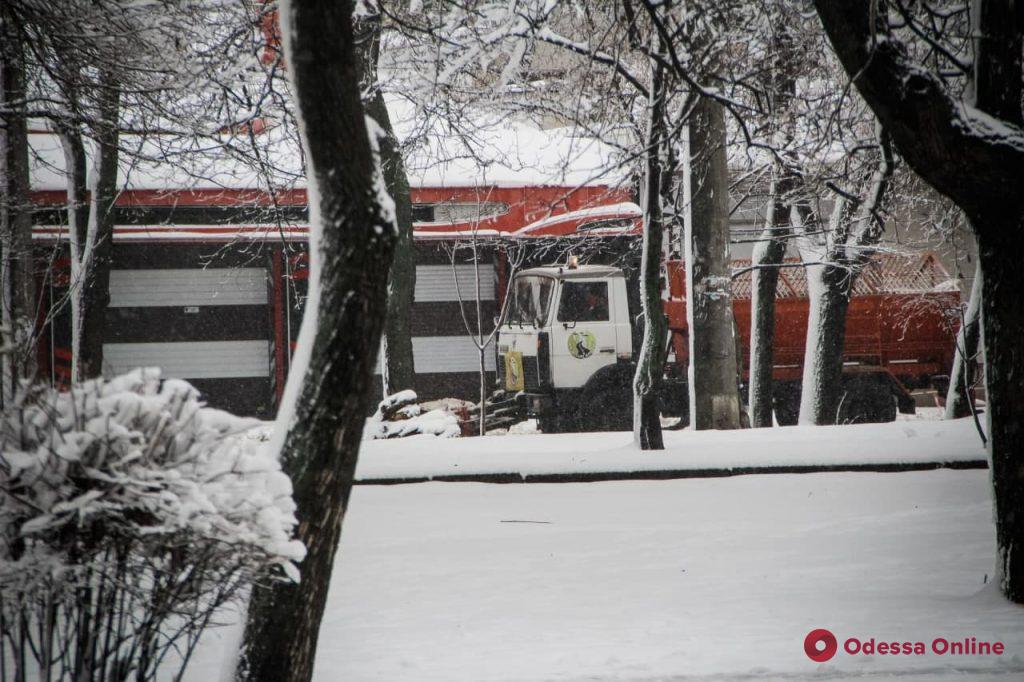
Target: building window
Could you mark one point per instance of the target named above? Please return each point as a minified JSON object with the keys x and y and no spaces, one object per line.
{"x":450,"y":212}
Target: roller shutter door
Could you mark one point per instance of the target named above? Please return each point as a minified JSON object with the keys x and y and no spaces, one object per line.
{"x":210,"y":326}
{"x":188,"y":287}
{"x":447,"y":355}
{"x":436,"y":283}
{"x":192,"y":359}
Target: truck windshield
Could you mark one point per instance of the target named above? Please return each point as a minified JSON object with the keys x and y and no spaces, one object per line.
{"x":531,"y":300}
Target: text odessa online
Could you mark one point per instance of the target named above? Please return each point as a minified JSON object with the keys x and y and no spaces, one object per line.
{"x":969,"y":646}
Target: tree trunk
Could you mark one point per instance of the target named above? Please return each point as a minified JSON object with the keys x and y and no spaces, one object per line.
{"x":980,"y":172}
{"x":480,"y":341}
{"x":19,"y":291}
{"x":351,"y":248}
{"x":770,"y":252}
{"x":1003,"y":320}
{"x":714,"y":398}
{"x":961,"y":378}
{"x":398,"y":364}
{"x":75,"y":164}
{"x":94,"y":294}
{"x":650,"y":362}
{"x":402,"y":283}
{"x":846,"y":250}
{"x":828,"y":287}
{"x":768,"y":255}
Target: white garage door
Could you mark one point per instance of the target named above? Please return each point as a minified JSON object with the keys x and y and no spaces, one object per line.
{"x":446,"y":355}
{"x":196,"y":353}
{"x":437,"y":283}
{"x":188,"y":287}
{"x":192,"y":359}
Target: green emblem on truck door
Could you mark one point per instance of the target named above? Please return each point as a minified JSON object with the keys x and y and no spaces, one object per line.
{"x":581,"y":345}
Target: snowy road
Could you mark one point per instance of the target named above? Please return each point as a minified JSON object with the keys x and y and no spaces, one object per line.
{"x":664,"y":580}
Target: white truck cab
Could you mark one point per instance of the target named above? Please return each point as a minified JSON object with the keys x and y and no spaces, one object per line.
{"x":566,"y":345}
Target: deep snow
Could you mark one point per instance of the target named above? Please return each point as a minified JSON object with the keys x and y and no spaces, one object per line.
{"x":662,"y":580}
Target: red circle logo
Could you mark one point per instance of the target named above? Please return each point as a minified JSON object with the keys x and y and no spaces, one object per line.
{"x":820,"y":645}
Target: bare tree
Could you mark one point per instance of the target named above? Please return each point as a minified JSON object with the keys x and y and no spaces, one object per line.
{"x":834,"y":261}
{"x":768,"y":254}
{"x":179,"y":107}
{"x":16,"y":267}
{"x":959,"y":124}
{"x":398,"y":368}
{"x":962,"y":379}
{"x":770,"y":251}
{"x":714,"y":396}
{"x":90,"y":218}
{"x":476,"y":323}
{"x":352,"y":240}
{"x":650,"y":361}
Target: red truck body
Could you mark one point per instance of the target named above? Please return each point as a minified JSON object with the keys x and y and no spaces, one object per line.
{"x":902,"y":319}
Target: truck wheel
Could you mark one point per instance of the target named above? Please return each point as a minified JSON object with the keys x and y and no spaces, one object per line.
{"x":607,"y":403}
{"x":868,"y":400}
{"x":566,"y":416}
{"x":608,"y":412}
{"x":554,"y":423}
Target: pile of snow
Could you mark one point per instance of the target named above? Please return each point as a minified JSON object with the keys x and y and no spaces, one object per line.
{"x":400,"y":415}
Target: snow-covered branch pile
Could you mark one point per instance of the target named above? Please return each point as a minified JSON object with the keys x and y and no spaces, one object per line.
{"x":129,"y":513}
{"x":400,"y":415}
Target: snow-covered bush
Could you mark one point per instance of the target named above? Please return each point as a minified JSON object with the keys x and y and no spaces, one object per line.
{"x":129,"y":513}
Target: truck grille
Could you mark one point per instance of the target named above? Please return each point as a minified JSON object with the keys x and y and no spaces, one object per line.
{"x":531,"y":378}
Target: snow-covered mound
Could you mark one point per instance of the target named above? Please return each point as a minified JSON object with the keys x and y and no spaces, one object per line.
{"x":400,"y":415}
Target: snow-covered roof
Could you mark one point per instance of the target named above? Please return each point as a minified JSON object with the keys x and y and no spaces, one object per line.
{"x":580,"y":272}
{"x":620,"y":218}
{"x":511,"y":153}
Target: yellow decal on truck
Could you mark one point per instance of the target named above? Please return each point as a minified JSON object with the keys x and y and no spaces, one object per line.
{"x":514,"y":371}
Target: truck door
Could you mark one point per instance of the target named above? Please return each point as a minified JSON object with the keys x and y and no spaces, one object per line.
{"x":584,"y":333}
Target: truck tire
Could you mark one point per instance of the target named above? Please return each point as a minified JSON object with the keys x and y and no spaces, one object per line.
{"x":868,"y":400}
{"x":608,"y":411}
{"x":607,"y":401}
{"x":553,"y":423}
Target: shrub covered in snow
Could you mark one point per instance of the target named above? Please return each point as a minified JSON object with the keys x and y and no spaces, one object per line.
{"x":129,"y":513}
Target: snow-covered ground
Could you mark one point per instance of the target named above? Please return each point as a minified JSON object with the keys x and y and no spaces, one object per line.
{"x":901,"y":442}
{"x":662,"y":580}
